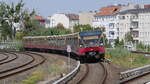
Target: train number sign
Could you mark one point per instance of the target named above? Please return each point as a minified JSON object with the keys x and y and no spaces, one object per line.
{"x":68,"y":48}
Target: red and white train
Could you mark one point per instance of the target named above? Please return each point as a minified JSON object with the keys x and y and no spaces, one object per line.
{"x":83,"y":44}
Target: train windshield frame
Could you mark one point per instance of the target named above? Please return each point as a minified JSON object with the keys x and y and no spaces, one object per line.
{"x":91,"y":39}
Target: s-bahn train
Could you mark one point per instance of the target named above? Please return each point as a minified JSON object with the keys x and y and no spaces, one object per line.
{"x":84,"y":44}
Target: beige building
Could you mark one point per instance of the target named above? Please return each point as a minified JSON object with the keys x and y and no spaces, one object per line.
{"x":86,"y":18}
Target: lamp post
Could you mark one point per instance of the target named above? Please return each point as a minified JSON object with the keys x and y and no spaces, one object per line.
{"x":131,"y":29}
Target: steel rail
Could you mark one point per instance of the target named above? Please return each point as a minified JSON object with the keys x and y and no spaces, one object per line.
{"x":105,"y":73}
{"x":4,"y":57}
{"x":134,"y":73}
{"x":23,"y":68}
{"x":8,"y":60}
{"x":85,"y":75}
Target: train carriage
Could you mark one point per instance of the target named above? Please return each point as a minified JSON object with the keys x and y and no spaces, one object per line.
{"x":84,"y":44}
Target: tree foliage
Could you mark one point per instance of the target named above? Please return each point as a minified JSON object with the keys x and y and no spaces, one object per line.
{"x":49,"y":31}
{"x":119,"y":43}
{"x":11,"y":15}
{"x":81,"y":28}
{"x":128,"y":37}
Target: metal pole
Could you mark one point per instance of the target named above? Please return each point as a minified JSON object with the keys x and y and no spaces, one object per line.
{"x":68,"y":61}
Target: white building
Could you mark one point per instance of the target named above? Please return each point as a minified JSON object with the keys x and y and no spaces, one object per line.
{"x":114,"y":23}
{"x":138,"y":22}
{"x":108,"y":18}
{"x":67,"y":20}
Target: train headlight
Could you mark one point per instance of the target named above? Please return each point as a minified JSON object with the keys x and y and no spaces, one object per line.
{"x":81,"y":46}
{"x":101,"y":44}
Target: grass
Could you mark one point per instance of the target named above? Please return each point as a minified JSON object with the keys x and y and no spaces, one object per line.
{"x":33,"y":79}
{"x":44,"y":71}
{"x":126,"y":59}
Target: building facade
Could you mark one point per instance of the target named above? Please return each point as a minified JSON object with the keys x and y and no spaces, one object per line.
{"x":86,"y":18}
{"x":107,"y":18}
{"x":67,"y":20}
{"x":120,"y":19}
{"x":137,"y":21}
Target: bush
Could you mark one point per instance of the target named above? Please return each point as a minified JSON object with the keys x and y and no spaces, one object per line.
{"x":20,"y":35}
{"x":124,"y":58}
{"x":118,"y":52}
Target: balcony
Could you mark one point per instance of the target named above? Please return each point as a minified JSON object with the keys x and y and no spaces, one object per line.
{"x":134,"y":25}
{"x":135,"y":19}
{"x":135,"y":35}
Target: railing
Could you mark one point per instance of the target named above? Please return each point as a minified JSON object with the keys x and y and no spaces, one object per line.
{"x":4,"y":45}
{"x":67,"y":77}
{"x":134,"y":73}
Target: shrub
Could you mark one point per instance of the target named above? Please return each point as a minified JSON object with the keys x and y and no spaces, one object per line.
{"x":124,"y":58}
{"x":20,"y":35}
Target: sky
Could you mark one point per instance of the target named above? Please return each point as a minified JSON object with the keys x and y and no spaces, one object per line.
{"x":49,"y":7}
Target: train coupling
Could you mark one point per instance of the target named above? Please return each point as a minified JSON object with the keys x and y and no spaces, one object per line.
{"x":107,"y":60}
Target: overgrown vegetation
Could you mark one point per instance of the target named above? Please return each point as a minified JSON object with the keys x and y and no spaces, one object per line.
{"x":34,"y":78}
{"x":124,"y":58}
{"x":142,"y":47}
{"x":119,"y":43}
{"x":42,"y":72}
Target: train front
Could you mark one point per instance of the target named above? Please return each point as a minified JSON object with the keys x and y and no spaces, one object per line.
{"x":91,"y":45}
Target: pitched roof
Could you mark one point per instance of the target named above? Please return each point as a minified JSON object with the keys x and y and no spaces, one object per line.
{"x":72,"y":16}
{"x":109,"y":10}
{"x":147,"y":6}
{"x":38,"y":17}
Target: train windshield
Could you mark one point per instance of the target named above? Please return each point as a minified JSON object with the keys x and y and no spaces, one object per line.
{"x":90,"y":39}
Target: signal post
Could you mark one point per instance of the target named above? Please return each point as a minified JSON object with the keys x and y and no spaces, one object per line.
{"x":68,"y":52}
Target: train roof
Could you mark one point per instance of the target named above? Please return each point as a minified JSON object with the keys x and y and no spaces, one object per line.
{"x":26,"y":37}
{"x":90,"y":33}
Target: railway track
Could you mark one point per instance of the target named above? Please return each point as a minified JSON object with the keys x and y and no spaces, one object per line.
{"x":26,"y":61}
{"x":3,"y":57}
{"x":91,"y":74}
{"x":9,"y":58}
{"x":105,"y":74}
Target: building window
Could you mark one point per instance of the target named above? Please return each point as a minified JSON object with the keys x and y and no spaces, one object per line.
{"x":111,"y":25}
{"x":111,"y":33}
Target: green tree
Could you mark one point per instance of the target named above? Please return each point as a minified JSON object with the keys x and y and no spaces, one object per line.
{"x":119,"y":43}
{"x":128,"y":37}
{"x":77,"y":28}
{"x":5,"y":27}
{"x":6,"y":31}
{"x":60,"y":26}
{"x":12,"y":14}
{"x":82,"y":28}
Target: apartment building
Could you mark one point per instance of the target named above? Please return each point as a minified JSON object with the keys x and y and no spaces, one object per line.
{"x":67,"y":20}
{"x":138,"y":22}
{"x":116,"y":25}
{"x":107,"y":17}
